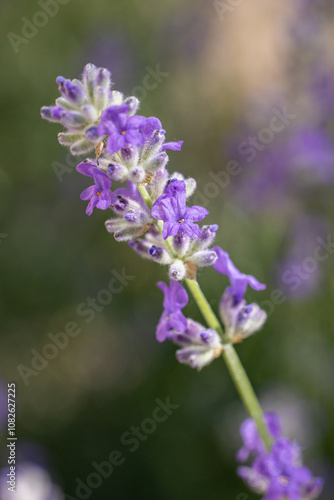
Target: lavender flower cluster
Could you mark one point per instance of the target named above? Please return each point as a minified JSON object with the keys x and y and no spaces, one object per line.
{"x":151,"y":212}
{"x":279,"y":473}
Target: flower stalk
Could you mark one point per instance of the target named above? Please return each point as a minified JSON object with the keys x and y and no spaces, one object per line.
{"x":231,"y":358}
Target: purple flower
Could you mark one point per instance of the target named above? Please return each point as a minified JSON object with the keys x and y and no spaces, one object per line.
{"x":238,"y":280}
{"x":121,"y":130}
{"x":99,"y":194}
{"x":179,"y":219}
{"x":252,"y":442}
{"x":279,"y":474}
{"x":200,"y":345}
{"x":175,"y":298}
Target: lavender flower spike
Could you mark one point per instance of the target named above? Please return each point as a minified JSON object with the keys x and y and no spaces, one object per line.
{"x":175,"y":298}
{"x":178,"y":218}
{"x":238,"y":280}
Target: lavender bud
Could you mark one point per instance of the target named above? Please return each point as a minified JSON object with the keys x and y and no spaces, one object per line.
{"x":116,"y":98}
{"x":89,"y":113}
{"x":120,"y":205}
{"x":81,"y":147}
{"x":89,"y":77}
{"x":133,"y":104}
{"x":156,"y":162}
{"x":181,"y":245}
{"x":68,"y":138}
{"x":130,"y":155}
{"x":117,"y":171}
{"x":206,"y":238}
{"x":141,"y":247}
{"x":153,"y":144}
{"x":72,"y":119}
{"x":190,"y":186}
{"x":177,"y":271}
{"x":137,"y":174}
{"x":160,"y":255}
{"x":103,"y":78}
{"x":203,"y":258}
{"x":128,"y":234}
{"x":177,"y":175}
{"x":132,"y":216}
{"x":158,"y":183}
{"x":71,"y":91}
{"x":101,"y":96}
{"x":92,"y":134}
{"x":240,"y":320}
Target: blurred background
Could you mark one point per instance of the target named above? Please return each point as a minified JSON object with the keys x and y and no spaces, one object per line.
{"x":248,"y":82}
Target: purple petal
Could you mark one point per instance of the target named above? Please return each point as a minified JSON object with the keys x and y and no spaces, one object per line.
{"x":179,"y":294}
{"x":175,"y":146}
{"x":115,"y":143}
{"x":190,"y":229}
{"x":104,"y":200}
{"x":151,"y":125}
{"x":255,"y":284}
{"x":86,"y":168}
{"x":162,"y":209}
{"x":93,"y":202}
{"x":134,"y":122}
{"x":170,"y":229}
{"x":196,"y":213}
{"x":101,"y":179}
{"x":178,"y":321}
{"x":134,"y":137}
{"x":88,"y":193}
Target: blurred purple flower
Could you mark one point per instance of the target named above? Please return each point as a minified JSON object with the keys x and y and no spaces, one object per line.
{"x":252,"y":442}
{"x":279,"y":474}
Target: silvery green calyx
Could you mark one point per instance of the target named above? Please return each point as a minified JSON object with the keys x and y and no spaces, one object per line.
{"x":240,"y":319}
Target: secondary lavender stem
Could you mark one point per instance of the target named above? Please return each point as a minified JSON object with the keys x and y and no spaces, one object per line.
{"x":233,"y":363}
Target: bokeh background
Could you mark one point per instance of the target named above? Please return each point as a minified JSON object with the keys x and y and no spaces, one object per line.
{"x":228,"y":68}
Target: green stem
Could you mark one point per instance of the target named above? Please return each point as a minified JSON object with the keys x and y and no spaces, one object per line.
{"x":145,"y":195}
{"x":237,"y":372}
{"x":246,"y":391}
{"x":204,"y":306}
{"x":230,"y":356}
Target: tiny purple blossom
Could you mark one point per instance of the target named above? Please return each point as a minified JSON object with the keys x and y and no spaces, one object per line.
{"x":121,"y":130}
{"x":178,"y":218}
{"x":252,"y":442}
{"x":238,"y":280}
{"x":175,"y":298}
{"x":281,"y":475}
{"x":99,"y":194}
